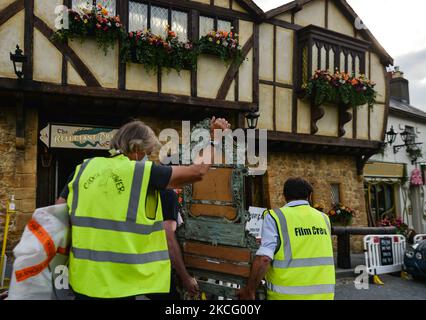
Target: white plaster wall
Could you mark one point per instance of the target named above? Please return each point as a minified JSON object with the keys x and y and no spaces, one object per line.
{"x":74,"y":77}
{"x":401,"y":156}
{"x":284,"y":104}
{"x":210,"y":73}
{"x":284,"y":55}
{"x":11,"y":34}
{"x":5,"y":3}
{"x":377,"y":114}
{"x":328,"y":125}
{"x":284,"y":17}
{"x":362,"y":122}
{"x":312,"y":13}
{"x":222,"y":3}
{"x":266,"y":107}
{"x":47,"y":60}
{"x":303,"y":116}
{"x":176,"y":83}
{"x":338,"y":22}
{"x":245,"y":83}
{"x":236,"y":6}
{"x":104,"y":67}
{"x":266,"y":52}
{"x":45,"y":10}
{"x":378,"y":76}
{"x":137,"y":78}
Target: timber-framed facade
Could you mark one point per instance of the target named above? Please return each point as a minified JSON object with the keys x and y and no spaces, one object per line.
{"x":75,"y":83}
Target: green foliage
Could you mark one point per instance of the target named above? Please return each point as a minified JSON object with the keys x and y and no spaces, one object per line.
{"x":95,"y":23}
{"x":221,"y":44}
{"x":340,"y":89}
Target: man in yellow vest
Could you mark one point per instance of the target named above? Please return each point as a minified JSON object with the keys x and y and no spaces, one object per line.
{"x":119,"y":246}
{"x":296,"y":253}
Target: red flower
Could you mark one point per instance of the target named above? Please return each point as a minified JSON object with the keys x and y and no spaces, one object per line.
{"x":106,"y":28}
{"x":98,"y":26}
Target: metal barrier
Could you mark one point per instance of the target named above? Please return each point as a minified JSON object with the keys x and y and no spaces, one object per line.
{"x":419,"y":238}
{"x":384,"y":253}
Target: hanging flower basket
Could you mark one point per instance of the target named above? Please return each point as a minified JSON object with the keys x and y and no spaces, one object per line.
{"x":155,"y":53}
{"x":341,"y":215}
{"x":339,"y":88}
{"x":92,"y":22}
{"x":222,"y":44}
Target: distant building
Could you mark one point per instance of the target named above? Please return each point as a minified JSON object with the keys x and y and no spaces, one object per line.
{"x":387,"y":175}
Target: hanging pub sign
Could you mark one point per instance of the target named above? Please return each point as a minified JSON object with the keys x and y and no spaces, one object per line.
{"x":386,"y":253}
{"x":76,"y":137}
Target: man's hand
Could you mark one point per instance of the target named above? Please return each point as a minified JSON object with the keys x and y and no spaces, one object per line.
{"x":190,"y":284}
{"x":246,"y":294}
{"x":219,"y":123}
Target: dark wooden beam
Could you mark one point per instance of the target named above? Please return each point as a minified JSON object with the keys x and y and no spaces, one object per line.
{"x":277,"y":84}
{"x":20,"y":121}
{"x":256,"y":60}
{"x":232,"y":71}
{"x":123,"y":12}
{"x":323,"y":140}
{"x":326,"y":13}
{"x":284,"y":24}
{"x":72,"y":57}
{"x":11,"y":10}
{"x":207,"y":9}
{"x":64,"y":81}
{"x":29,"y":38}
{"x":194,"y":36}
{"x":344,"y":117}
{"x":296,"y":84}
{"x":108,"y":93}
{"x":274,"y":77}
{"x":388,"y":77}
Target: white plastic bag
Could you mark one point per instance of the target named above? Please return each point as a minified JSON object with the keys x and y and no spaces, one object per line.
{"x":36,"y":255}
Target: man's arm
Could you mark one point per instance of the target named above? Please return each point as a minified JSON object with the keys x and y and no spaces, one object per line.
{"x":258,"y":270}
{"x":264,"y":257}
{"x":188,"y":282}
{"x":182,"y":175}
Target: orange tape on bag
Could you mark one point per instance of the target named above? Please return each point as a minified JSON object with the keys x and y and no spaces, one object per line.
{"x":49,"y":247}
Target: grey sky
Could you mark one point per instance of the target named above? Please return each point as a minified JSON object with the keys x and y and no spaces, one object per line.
{"x":400,"y":26}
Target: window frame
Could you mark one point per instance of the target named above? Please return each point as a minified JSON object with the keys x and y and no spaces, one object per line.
{"x":216,"y":18}
{"x":169,"y":14}
{"x":339,"y":185}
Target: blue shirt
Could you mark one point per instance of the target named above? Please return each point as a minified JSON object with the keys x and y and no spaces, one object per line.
{"x":270,"y":236}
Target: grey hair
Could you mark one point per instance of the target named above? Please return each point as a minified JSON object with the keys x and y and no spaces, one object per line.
{"x":135,"y":136}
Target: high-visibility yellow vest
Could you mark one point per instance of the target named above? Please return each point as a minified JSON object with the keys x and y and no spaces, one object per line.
{"x":119,"y":247}
{"x":303,"y":265}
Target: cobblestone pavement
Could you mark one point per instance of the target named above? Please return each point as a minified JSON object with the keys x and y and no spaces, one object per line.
{"x":394,"y":288}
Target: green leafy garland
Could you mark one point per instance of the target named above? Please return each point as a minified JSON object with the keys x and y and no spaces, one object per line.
{"x":341,"y":89}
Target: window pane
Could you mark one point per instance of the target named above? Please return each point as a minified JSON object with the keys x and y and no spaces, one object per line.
{"x":159,"y":21}
{"x":335,"y":193}
{"x":206,"y":25}
{"x":180,"y":24}
{"x":224,"y":25}
{"x":110,"y":5}
{"x":138,"y":16}
{"x":77,"y":3}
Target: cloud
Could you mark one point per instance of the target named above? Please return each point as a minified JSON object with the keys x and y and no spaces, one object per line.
{"x":414,"y":67}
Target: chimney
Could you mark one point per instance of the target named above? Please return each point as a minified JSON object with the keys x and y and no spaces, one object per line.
{"x":399,"y":87}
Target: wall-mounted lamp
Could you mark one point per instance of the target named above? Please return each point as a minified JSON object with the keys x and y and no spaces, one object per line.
{"x":19,"y":61}
{"x":252,"y":119}
{"x":391,"y":136}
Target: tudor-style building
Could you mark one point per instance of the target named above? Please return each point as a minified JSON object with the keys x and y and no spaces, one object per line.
{"x":74,"y":84}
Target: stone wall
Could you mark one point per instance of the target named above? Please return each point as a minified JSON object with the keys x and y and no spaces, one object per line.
{"x":320,"y":171}
{"x":18,"y":169}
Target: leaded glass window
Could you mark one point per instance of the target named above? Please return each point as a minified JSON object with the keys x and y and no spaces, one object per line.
{"x":110,"y":5}
{"x":180,"y":24}
{"x":223,"y":25}
{"x":206,"y":25}
{"x":159,"y":21}
{"x":138,"y":16}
